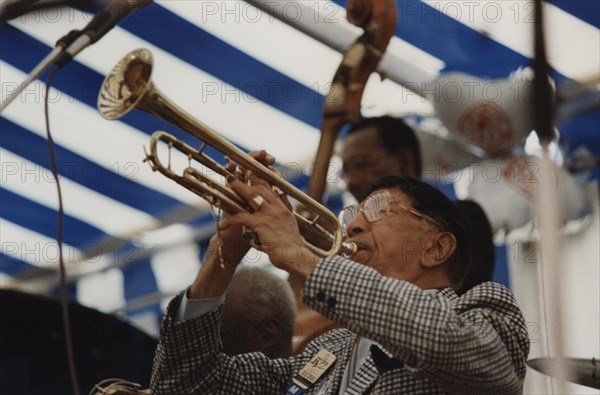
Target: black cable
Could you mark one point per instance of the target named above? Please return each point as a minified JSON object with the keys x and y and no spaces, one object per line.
{"x":543,"y":110}
{"x":59,"y":238}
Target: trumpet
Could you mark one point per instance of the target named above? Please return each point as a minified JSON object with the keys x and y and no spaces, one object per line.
{"x":118,"y":387}
{"x":129,"y":86}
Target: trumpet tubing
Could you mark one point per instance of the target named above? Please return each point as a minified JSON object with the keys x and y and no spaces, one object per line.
{"x":129,"y":86}
{"x":118,"y":387}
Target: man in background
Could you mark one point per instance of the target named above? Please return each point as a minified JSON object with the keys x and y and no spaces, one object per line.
{"x":376,"y":148}
{"x":259,"y":314}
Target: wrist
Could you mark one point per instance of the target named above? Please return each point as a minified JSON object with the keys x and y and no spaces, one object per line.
{"x":218,"y":267}
{"x":298,"y":261}
{"x":212,"y":280}
{"x":227,"y":252}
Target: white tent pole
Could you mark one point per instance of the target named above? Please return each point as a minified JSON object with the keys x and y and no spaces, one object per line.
{"x":318,"y":23}
{"x":548,"y":206}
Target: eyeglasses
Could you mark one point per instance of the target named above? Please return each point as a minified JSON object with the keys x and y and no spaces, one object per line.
{"x":376,"y":207}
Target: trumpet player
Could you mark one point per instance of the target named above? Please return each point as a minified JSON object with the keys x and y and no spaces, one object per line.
{"x":405,"y":329}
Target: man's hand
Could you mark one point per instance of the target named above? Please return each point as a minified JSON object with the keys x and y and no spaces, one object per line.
{"x":234,"y":245}
{"x":275,"y":225}
{"x":226,"y":249}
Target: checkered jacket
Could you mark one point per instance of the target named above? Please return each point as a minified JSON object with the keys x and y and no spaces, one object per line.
{"x":425,"y":343}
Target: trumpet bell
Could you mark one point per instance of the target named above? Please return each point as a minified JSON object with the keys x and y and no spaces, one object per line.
{"x":126,"y":85}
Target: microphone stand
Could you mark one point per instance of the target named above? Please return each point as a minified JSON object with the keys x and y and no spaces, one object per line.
{"x":56,"y":57}
{"x":76,"y":40}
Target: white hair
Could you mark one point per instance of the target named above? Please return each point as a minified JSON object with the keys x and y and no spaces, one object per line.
{"x":267,"y":296}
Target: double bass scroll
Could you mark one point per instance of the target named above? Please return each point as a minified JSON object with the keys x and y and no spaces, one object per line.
{"x":342,"y":106}
{"x":342,"y":103}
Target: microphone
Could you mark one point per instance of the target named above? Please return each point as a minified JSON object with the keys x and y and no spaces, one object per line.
{"x":75,"y":41}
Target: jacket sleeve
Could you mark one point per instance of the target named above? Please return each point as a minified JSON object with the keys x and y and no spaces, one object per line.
{"x":189,"y":360}
{"x":478,"y":342}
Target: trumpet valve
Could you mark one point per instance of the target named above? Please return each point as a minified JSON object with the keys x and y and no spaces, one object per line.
{"x":149,"y":158}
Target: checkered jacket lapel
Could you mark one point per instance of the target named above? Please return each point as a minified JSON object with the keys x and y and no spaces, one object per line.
{"x":365,"y":377}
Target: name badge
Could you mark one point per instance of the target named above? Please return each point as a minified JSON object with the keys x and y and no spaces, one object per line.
{"x":311,"y":372}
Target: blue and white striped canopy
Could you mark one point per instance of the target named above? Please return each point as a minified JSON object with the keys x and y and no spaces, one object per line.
{"x":257,"y":78}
